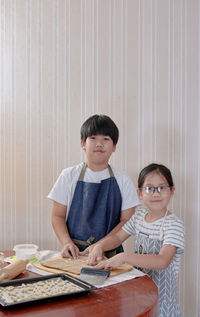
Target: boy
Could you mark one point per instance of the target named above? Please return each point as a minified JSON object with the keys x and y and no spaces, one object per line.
{"x":91,"y":200}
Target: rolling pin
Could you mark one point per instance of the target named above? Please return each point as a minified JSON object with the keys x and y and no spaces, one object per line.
{"x":12,"y":270}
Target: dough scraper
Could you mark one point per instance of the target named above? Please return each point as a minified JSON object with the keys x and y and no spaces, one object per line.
{"x":94,"y":276}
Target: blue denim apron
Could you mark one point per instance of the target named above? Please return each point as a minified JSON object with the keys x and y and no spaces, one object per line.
{"x":95,"y":210}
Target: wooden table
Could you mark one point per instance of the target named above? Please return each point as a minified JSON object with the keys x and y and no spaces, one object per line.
{"x":134,"y":298}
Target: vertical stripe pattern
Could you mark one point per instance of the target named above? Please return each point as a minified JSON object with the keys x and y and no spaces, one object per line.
{"x":62,"y":61}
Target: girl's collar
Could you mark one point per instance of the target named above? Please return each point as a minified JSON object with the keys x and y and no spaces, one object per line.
{"x":149,"y":219}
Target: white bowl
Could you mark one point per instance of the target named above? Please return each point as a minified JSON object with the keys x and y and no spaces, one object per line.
{"x":26,"y":251}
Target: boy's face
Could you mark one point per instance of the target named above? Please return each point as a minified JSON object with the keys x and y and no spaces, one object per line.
{"x":98,"y":150}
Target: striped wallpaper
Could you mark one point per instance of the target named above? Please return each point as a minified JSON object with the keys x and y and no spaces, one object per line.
{"x":64,"y":60}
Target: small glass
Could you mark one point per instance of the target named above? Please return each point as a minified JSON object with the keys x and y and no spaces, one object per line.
{"x":1,"y":260}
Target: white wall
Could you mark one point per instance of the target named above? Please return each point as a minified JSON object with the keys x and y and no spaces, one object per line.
{"x":62,"y":61}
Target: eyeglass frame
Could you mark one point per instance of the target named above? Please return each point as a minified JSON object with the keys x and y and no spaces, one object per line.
{"x":158,"y":188}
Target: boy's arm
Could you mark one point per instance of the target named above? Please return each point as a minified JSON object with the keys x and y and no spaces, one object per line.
{"x":59,"y":225}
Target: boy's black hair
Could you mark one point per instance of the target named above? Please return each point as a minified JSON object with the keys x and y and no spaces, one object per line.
{"x":99,"y":124}
{"x":158,"y":168}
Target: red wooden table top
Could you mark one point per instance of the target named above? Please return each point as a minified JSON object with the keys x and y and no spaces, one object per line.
{"x":137,"y":298}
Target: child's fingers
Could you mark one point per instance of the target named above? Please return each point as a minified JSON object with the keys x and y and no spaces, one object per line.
{"x":85,"y":252}
{"x":92,"y":259}
{"x":70,"y":251}
{"x":74,"y":252}
{"x":102,"y":265}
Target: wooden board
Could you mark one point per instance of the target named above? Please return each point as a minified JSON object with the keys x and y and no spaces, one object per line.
{"x":73,"y":267}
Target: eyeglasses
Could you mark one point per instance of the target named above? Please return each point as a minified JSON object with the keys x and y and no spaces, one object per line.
{"x":160,"y":189}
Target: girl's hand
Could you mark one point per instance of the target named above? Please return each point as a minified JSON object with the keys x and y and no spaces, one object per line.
{"x":70,"y":250}
{"x":95,"y":254}
{"x":111,"y":263}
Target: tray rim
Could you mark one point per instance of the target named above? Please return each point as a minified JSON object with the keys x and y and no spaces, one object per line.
{"x":86,"y":288}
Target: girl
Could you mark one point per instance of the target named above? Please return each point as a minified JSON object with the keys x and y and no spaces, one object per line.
{"x":158,"y":235}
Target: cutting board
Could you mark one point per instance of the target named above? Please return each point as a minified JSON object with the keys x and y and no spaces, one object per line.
{"x":73,"y":266}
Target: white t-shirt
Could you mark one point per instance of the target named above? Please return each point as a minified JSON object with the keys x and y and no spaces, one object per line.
{"x":63,"y":190}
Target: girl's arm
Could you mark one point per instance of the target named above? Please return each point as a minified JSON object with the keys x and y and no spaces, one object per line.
{"x":148,"y":261}
{"x":108,"y":243}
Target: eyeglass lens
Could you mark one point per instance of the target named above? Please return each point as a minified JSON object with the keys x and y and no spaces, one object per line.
{"x":152,"y":189}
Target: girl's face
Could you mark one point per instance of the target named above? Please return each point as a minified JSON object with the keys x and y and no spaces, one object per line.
{"x":98,"y":151}
{"x":154,"y":200}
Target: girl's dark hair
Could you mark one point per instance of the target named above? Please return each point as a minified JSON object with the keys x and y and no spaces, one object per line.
{"x":99,"y":124}
{"x":158,"y":168}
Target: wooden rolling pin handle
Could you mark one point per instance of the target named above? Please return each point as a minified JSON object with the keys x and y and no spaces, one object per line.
{"x":3,"y":276}
{"x":12,"y":270}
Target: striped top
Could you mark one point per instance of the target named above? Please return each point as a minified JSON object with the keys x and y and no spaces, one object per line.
{"x":173,"y":233}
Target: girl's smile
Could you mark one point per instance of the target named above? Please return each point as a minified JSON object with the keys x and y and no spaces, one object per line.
{"x":98,"y":151}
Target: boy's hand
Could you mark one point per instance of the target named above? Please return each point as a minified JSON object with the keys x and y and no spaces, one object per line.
{"x":70,"y":250}
{"x":95,"y":254}
{"x":111,"y":263}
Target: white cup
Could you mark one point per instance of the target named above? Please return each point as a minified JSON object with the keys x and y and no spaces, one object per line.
{"x":1,"y":260}
{"x":26,"y":251}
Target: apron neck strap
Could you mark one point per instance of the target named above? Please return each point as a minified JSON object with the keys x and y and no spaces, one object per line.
{"x":110,"y":171}
{"x":82,"y":173}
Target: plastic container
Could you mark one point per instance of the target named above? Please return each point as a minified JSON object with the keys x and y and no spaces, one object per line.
{"x":26,"y":251}
{"x":1,"y":260}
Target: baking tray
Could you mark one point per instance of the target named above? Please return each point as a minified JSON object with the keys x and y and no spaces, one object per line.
{"x":79,"y":288}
